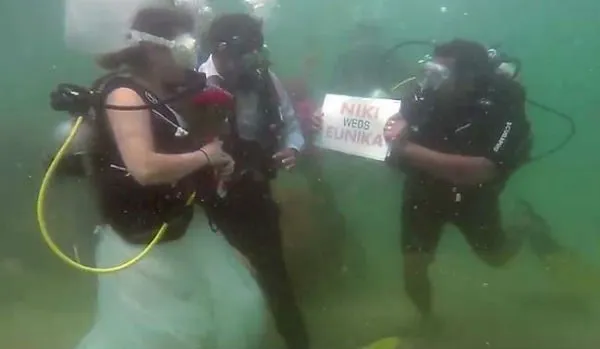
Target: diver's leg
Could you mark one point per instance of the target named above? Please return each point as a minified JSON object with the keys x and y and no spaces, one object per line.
{"x":481,"y":225}
{"x":270,"y":265}
{"x":421,"y":232}
{"x":496,"y":244}
{"x":575,"y":276}
{"x":258,"y":236}
{"x":542,"y":243}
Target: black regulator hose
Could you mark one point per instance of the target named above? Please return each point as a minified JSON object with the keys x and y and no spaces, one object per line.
{"x":385,"y":58}
{"x":501,"y":59}
{"x":565,"y":141}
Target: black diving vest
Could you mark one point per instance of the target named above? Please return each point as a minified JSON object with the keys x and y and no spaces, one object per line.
{"x":250,"y":156}
{"x":137,"y":212}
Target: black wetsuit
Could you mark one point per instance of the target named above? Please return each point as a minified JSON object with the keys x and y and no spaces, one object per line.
{"x":492,"y":125}
{"x":136,"y":212}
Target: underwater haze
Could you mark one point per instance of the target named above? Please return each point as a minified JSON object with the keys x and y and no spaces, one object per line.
{"x":350,"y":283}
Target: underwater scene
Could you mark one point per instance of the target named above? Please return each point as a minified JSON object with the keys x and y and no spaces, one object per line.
{"x":392,"y":222}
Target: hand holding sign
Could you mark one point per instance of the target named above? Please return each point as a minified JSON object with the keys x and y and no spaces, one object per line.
{"x":393,"y":128}
{"x":354,"y":125}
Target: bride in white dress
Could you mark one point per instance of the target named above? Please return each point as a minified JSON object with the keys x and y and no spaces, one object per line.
{"x":194,"y":292}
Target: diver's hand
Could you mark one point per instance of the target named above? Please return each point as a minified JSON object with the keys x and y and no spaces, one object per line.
{"x":226,"y":171}
{"x":394,"y":127}
{"x":215,"y":154}
{"x":286,"y":158}
{"x":317,"y":120}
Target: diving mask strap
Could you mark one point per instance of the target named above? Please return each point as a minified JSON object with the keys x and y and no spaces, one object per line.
{"x":136,"y":37}
{"x":184,"y":47}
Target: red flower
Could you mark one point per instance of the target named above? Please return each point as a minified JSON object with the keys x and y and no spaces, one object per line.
{"x":214,"y":96}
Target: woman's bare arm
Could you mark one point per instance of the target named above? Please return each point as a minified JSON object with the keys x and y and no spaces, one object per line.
{"x":133,"y":136}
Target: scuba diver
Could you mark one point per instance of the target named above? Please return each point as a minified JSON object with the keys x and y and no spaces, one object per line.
{"x":193,"y":290}
{"x":357,"y":71}
{"x":458,"y":139}
{"x":264,"y":136}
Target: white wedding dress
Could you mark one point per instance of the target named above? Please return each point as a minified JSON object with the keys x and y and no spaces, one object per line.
{"x":193,"y":293}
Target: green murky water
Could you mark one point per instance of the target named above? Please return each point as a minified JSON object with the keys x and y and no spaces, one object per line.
{"x":356,"y":295}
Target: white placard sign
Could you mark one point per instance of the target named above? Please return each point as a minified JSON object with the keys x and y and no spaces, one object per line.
{"x":354,"y":125}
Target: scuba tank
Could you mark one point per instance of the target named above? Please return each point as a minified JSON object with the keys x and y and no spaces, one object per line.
{"x":75,"y":161}
{"x":78,"y":129}
{"x":503,"y":64}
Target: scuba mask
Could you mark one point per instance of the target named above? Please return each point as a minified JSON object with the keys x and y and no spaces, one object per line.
{"x":433,"y":74}
{"x":184,"y":48}
{"x":247,"y":57}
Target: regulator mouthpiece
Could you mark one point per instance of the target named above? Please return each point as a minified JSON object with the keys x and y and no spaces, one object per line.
{"x":434,"y":75}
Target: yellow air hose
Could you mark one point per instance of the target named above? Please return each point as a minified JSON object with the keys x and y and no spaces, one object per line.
{"x":44,"y":228}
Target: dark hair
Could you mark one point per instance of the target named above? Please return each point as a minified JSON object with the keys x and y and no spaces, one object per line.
{"x":239,"y":29}
{"x":470,"y":57}
{"x":166,"y":23}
